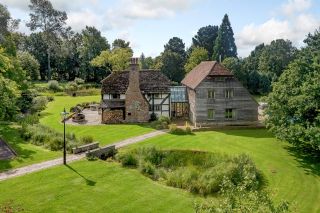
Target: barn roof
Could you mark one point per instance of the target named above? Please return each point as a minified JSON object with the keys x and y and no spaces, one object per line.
{"x":202,"y":70}
{"x":151,"y":81}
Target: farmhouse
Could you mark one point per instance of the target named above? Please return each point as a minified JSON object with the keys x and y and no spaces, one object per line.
{"x":217,"y":97}
{"x":131,"y":96}
{"x":209,"y":95}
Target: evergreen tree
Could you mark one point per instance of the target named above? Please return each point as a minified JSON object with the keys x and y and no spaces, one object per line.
{"x":205,"y":38}
{"x":224,"y":45}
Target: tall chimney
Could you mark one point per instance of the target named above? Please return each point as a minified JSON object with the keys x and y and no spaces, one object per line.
{"x":137,"y":108}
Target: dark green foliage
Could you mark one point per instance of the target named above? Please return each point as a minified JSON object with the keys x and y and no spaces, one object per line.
{"x":153,"y":117}
{"x":176,"y":45}
{"x":146,"y":62}
{"x":224,"y":45}
{"x":160,"y":123}
{"x":294,"y":104}
{"x":198,"y":172}
{"x":205,"y":38}
{"x":120,"y":43}
{"x":173,"y":66}
{"x":54,"y":86}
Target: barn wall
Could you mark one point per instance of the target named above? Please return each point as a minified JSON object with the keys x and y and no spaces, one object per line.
{"x":245,"y":108}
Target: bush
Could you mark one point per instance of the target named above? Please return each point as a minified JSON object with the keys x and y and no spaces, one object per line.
{"x":198,"y":172}
{"x":128,"y":159}
{"x":86,"y":139}
{"x":161,"y":123}
{"x":79,"y":81}
{"x":29,"y":119}
{"x":54,"y":86}
{"x":153,"y":117}
{"x":39,"y":103}
{"x":50,"y":98}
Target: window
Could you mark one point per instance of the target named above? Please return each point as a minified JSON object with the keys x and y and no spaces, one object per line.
{"x":115,"y":96}
{"x":229,"y":114}
{"x":157,"y":107}
{"x":229,"y":93}
{"x":211,"y":94}
{"x":210,"y":114}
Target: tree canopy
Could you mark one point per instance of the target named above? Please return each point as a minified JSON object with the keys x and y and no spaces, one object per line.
{"x":224,"y":45}
{"x":205,"y":38}
{"x":294,"y":110}
{"x":197,"y":55}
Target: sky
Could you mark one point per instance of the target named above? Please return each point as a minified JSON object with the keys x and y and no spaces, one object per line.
{"x":149,"y":24}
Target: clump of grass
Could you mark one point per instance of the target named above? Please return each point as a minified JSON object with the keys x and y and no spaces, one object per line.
{"x":198,"y":172}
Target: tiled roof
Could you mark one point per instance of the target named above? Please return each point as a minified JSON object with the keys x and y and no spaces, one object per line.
{"x":202,"y":70}
{"x":151,"y":81}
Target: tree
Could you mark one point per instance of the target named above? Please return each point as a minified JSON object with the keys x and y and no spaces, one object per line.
{"x":224,"y":45}
{"x":197,"y":55}
{"x":50,"y":21}
{"x":235,"y":65}
{"x":120,"y":43}
{"x":30,"y":65}
{"x":115,"y":60}
{"x":293,"y":111}
{"x":172,"y":65}
{"x":205,"y":38}
{"x":275,"y":57}
{"x":92,"y":44}
{"x":145,"y":63}
{"x":176,"y":45}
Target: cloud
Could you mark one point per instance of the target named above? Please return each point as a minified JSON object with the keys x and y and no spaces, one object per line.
{"x":127,"y":11}
{"x":295,"y":25}
{"x":78,"y":20}
{"x":293,"y":6}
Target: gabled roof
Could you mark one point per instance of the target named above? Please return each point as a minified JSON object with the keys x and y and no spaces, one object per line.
{"x":202,"y":70}
{"x":151,"y":81}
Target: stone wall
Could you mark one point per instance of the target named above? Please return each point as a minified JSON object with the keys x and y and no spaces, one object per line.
{"x":112,"y":116}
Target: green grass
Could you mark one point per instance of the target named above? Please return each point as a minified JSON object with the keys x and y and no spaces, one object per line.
{"x":288,"y":175}
{"x":93,"y":187}
{"x":105,"y":134}
{"x":27,"y":153}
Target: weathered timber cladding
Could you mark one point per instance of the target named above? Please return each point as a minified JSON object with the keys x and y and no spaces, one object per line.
{"x":192,"y":104}
{"x":242,"y":104}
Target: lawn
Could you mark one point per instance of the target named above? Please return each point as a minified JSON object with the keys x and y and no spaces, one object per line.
{"x":92,"y":186}
{"x":288,"y":175}
{"x":27,"y":153}
{"x":99,"y":186}
{"x":105,"y":134}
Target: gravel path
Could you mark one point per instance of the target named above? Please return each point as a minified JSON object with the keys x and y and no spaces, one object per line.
{"x":47,"y":164}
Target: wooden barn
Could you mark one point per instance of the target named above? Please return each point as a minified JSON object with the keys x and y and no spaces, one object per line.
{"x":216,"y":97}
{"x":131,"y":96}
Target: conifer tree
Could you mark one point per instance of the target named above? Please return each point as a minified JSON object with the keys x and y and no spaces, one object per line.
{"x":224,"y":45}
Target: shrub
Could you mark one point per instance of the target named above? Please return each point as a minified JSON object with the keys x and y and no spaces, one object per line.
{"x":79,"y":81}
{"x":86,"y":139}
{"x":198,"y":172}
{"x":153,"y":117}
{"x":50,"y":98}
{"x":71,"y":87}
{"x":39,"y":103}
{"x":164,"y":119}
{"x":54,"y":86}
{"x":29,"y":119}
{"x":128,"y":159}
{"x":161,"y":123}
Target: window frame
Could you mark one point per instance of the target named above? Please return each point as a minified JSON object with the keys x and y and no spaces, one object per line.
{"x":229,"y":113}
{"x":229,"y":93}
{"x":115,"y":96}
{"x":211,"y":112}
{"x":211,"y":94}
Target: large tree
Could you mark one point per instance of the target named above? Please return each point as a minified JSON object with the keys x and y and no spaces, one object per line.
{"x":120,"y":43}
{"x":275,"y":57}
{"x":30,"y":64}
{"x":294,"y":104}
{"x":176,"y":45}
{"x":172,"y":65}
{"x":197,"y":55}
{"x":92,"y":44}
{"x":205,"y":38}
{"x":224,"y":45}
{"x":50,"y":21}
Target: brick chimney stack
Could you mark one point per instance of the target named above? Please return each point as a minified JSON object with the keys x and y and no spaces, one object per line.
{"x":137,"y":108}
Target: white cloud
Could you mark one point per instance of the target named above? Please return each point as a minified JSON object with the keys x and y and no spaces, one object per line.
{"x":126,"y":11}
{"x":293,"y":6}
{"x":295,"y":25}
{"x":78,"y":20}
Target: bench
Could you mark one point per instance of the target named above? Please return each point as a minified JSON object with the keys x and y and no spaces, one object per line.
{"x":103,"y":152}
{"x":85,"y":147}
